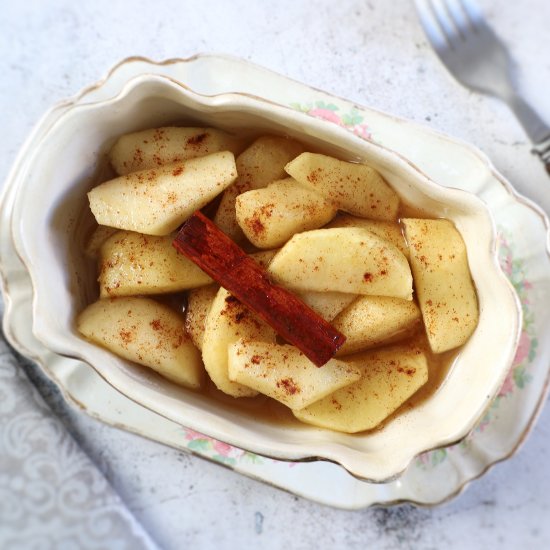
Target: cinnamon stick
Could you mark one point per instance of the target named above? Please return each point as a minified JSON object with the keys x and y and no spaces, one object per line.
{"x":200,"y":240}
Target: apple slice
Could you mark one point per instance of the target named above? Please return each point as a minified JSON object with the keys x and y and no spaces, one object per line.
{"x":446,"y":293}
{"x":284,"y":373}
{"x":389,"y":377}
{"x":161,"y":146}
{"x":372,"y":320}
{"x":350,"y":260}
{"x":227,"y":321}
{"x":157,"y":201}
{"x":270,"y":216}
{"x":261,"y":163}
{"x":199,"y":302}
{"x":132,"y":263}
{"x":355,"y":188}
{"x":146,"y":332}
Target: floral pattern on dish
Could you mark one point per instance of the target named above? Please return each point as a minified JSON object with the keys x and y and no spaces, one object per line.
{"x":353,"y":120}
{"x":217,"y":450}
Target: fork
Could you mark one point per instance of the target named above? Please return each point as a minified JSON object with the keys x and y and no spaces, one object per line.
{"x":476,"y":57}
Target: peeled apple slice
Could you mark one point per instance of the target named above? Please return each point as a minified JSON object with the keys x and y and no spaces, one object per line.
{"x":350,"y":260}
{"x":157,"y":201}
{"x":146,"y":332}
{"x":389,"y":377}
{"x":161,"y":146}
{"x":355,"y":188}
{"x":132,"y":263}
{"x":372,"y":320}
{"x":227,"y":321}
{"x":261,"y":163}
{"x":446,"y":293}
{"x":270,"y":216}
{"x":284,"y":373}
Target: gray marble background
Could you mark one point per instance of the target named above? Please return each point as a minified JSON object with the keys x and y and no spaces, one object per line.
{"x":372,"y":52}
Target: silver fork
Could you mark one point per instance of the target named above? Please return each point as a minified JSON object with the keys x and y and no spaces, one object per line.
{"x":477,"y":58}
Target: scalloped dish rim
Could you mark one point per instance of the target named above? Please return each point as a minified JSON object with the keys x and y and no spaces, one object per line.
{"x":216,"y":99}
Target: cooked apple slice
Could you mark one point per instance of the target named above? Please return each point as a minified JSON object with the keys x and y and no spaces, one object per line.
{"x":259,"y":165}
{"x":327,"y":304}
{"x":372,"y":320}
{"x":161,"y":146}
{"x":157,"y":201}
{"x":199,"y":302}
{"x":146,"y":332}
{"x":389,"y":231}
{"x":389,"y":377}
{"x":284,"y":373}
{"x":352,"y":187}
{"x":349,"y":259}
{"x":270,"y":216}
{"x":132,"y":263}
{"x":227,"y":321}
{"x":446,"y":293}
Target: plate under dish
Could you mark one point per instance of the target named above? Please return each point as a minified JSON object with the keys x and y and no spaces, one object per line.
{"x":431,"y":478}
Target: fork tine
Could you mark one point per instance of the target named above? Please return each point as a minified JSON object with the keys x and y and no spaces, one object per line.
{"x":473,"y":13}
{"x":446,"y":23}
{"x":431,"y":27}
{"x":457,"y":12}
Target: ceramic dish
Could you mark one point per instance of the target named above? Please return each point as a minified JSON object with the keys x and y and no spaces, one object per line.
{"x":53,"y":220}
{"x":437,"y":475}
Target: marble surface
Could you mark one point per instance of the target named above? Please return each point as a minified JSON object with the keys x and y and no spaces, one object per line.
{"x":372,"y":52}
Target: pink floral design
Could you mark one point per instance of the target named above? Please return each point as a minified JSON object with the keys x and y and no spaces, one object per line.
{"x":353,"y":121}
{"x":326,"y":114}
{"x":524,"y":347}
{"x":191,"y":435}
{"x":224,"y":449}
{"x":217,"y":450}
{"x":509,"y":385}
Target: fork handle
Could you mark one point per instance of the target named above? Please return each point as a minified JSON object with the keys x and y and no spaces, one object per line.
{"x":535,"y":127}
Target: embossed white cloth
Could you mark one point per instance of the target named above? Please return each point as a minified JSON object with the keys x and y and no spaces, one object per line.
{"x":52,"y":496}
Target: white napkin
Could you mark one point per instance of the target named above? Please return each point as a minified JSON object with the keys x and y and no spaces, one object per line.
{"x":51,"y":495}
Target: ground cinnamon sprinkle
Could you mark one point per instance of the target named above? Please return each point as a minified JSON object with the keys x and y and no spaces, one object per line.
{"x":156,"y":324}
{"x":177,"y":171}
{"x":197,"y":140}
{"x":126,"y":336}
{"x":138,"y":156}
{"x":368,"y":277}
{"x":314,"y":176}
{"x":255,"y":225}
{"x":289,"y":386}
{"x":240,"y":316}
{"x":171,"y":198}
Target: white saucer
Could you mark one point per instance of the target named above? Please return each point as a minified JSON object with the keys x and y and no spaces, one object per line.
{"x":432,"y":478}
